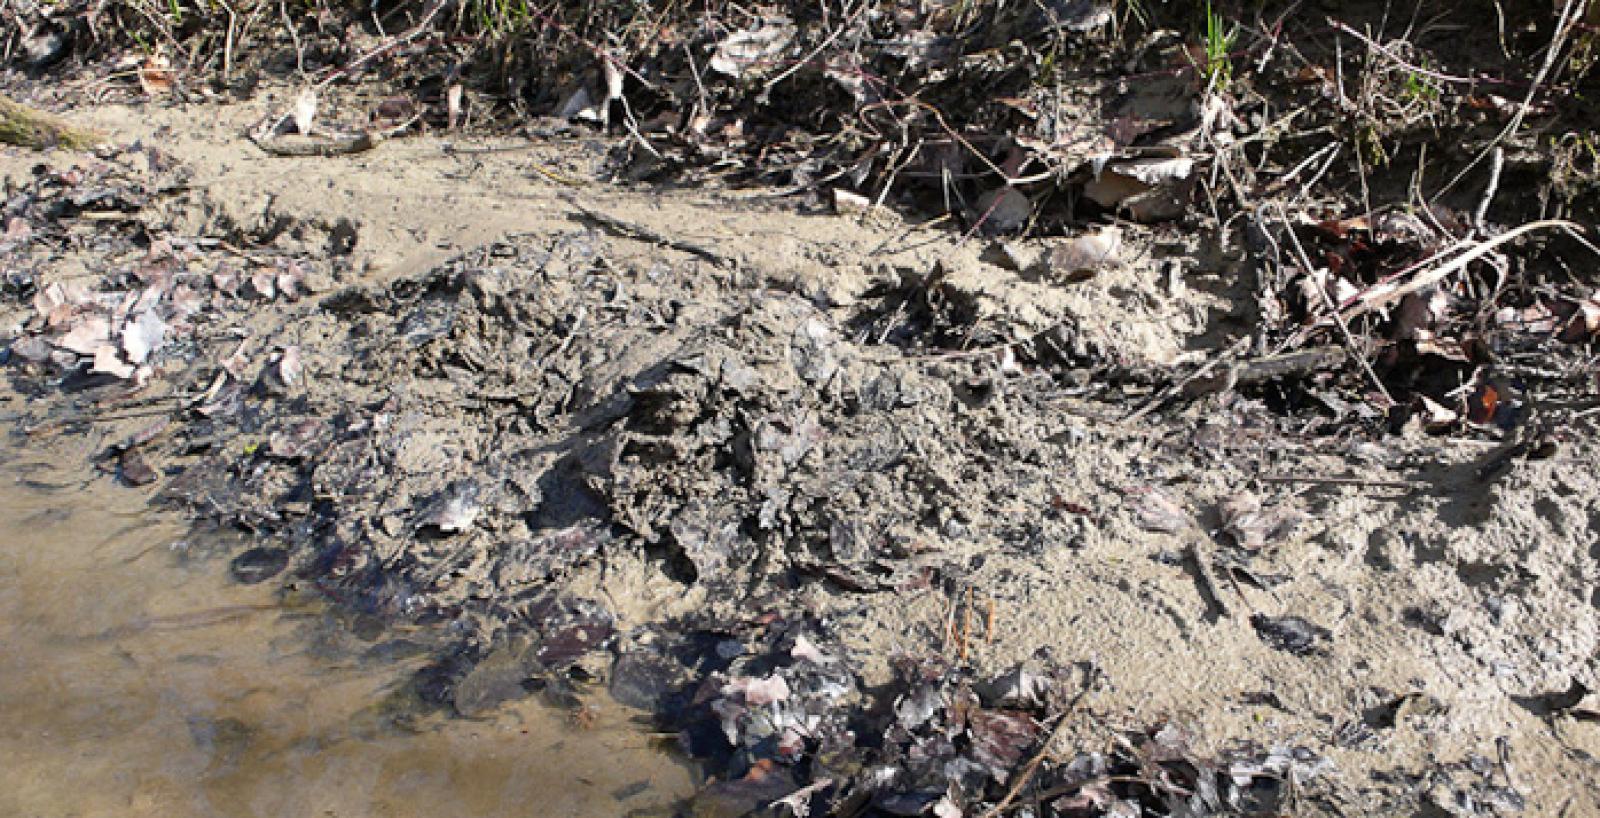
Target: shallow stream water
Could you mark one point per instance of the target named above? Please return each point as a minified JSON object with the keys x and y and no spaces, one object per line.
{"x":139,"y":680}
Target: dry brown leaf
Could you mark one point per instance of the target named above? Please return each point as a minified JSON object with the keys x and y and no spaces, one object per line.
{"x":156,"y":75}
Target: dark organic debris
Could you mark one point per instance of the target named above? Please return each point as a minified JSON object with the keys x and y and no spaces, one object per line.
{"x":1292,"y":634}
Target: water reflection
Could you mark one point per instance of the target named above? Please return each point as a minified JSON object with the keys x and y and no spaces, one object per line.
{"x":138,"y":680}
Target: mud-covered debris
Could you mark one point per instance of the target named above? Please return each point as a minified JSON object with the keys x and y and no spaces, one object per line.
{"x":1078,"y":16}
{"x":1148,"y":190}
{"x":1289,"y":633}
{"x":547,"y":555}
{"x":1021,"y":688}
{"x":134,"y":470}
{"x":765,"y":783}
{"x":1004,"y":210}
{"x":1556,"y":701}
{"x":299,"y":440}
{"x":496,"y":679}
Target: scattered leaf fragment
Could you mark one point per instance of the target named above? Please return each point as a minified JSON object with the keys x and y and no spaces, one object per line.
{"x":155,"y":75}
{"x":1158,"y":511}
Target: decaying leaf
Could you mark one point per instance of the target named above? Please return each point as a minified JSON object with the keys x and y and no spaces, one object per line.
{"x":753,"y":50}
{"x":1253,"y":526}
{"x":1081,"y":257}
{"x":1485,"y":403}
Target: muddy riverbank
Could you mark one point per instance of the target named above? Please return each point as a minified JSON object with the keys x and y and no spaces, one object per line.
{"x":721,"y":458}
{"x":1078,"y":409}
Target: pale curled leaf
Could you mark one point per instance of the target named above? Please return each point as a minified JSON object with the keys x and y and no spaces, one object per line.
{"x":156,"y":76}
{"x":86,"y":336}
{"x":290,"y":367}
{"x":107,"y":362}
{"x":753,"y":50}
{"x":453,"y":106}
{"x":756,"y":691}
{"x":305,"y":111}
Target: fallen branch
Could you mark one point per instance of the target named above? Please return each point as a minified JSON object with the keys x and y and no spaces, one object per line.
{"x":296,"y":145}
{"x":28,"y":127}
{"x":634,"y":230}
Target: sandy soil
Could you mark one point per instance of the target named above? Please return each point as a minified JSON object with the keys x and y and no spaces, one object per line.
{"x":1452,"y":603}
